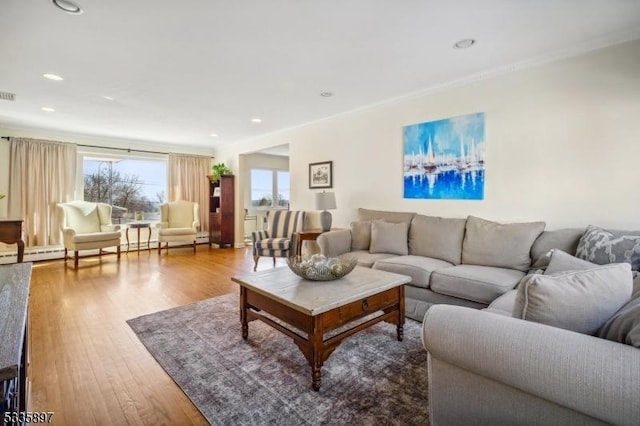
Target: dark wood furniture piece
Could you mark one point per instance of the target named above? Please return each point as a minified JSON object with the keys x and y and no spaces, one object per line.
{"x":222,"y":211}
{"x":14,"y":342}
{"x":11,"y":233}
{"x":316,"y":308}
{"x":138,"y":226}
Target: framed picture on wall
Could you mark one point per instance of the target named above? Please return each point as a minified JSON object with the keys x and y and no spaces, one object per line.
{"x":321,"y":175}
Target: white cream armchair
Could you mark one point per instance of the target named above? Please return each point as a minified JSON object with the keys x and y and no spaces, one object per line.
{"x":179,"y":221}
{"x":87,"y":226}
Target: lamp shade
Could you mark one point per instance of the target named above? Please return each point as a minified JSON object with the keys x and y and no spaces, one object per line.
{"x":325,"y":200}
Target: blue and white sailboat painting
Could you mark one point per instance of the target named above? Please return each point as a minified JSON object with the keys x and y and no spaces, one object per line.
{"x":444,"y":159}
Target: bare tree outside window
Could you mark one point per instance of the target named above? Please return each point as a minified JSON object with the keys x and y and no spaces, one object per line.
{"x":115,"y":183}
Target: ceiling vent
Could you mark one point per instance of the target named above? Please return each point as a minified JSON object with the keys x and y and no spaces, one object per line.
{"x":7,"y":96}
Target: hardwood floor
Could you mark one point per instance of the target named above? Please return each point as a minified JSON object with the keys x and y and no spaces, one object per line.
{"x":86,"y":365}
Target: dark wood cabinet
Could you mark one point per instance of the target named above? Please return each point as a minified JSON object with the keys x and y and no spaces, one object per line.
{"x":221,"y":211}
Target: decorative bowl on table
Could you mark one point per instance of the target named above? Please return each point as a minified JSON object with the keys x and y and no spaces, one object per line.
{"x":321,"y":268}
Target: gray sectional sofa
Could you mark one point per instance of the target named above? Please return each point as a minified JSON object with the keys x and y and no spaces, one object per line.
{"x":558,"y":340}
{"x":574,"y":360}
{"x":467,"y":262}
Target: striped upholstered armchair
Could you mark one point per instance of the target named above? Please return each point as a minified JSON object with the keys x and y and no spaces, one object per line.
{"x":279,"y":238}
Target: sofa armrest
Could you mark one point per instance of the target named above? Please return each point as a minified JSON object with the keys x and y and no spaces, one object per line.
{"x":164,"y":224}
{"x":594,"y":376}
{"x":68,"y":232}
{"x":335,"y":243}
{"x":109,"y":228}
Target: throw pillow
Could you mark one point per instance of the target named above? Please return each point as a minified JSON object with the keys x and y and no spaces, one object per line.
{"x":387,"y":237}
{"x":501,"y":245}
{"x":624,"y":326}
{"x":360,"y":235}
{"x":562,"y":262}
{"x":580,"y":301}
{"x":541,"y":264}
{"x":84,"y":220}
{"x":602,"y":246}
{"x":437,"y":237}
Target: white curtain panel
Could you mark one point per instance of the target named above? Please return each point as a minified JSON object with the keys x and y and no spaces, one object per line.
{"x":41,"y":175}
{"x":188,"y":181}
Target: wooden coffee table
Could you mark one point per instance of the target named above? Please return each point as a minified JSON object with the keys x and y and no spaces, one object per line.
{"x":306,"y":310}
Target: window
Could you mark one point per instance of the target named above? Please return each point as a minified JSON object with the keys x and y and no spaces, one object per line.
{"x":270,"y":188}
{"x":128,"y":184}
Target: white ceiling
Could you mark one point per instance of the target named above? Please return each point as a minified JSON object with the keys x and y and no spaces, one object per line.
{"x":179,"y":71}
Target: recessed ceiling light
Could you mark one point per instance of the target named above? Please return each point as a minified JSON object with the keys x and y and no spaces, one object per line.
{"x":68,"y":6}
{"x":48,"y":109}
{"x":109,"y":98}
{"x":464,"y":44}
{"x":214,"y":135}
{"x":257,"y":120}
{"x":53,"y":77}
{"x":326,"y":94}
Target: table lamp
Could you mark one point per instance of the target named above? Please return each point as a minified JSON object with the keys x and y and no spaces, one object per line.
{"x":325,"y":201}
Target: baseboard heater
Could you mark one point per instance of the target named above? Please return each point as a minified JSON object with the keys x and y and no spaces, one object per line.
{"x":52,"y":253}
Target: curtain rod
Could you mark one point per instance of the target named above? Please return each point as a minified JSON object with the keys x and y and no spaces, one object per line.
{"x":119,"y":149}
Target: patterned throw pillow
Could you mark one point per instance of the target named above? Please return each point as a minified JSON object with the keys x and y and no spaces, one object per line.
{"x":602,"y":246}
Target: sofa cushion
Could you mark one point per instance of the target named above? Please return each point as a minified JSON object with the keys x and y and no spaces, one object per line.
{"x":437,"y":237}
{"x":503,"y":305}
{"x":602,"y":246}
{"x":580,"y":301}
{"x":394,"y":217}
{"x":472,"y":282}
{"x":624,"y":325}
{"x":419,"y":268}
{"x":541,"y":263}
{"x":489,"y":243}
{"x":565,"y":239}
{"x":364,"y":258}
{"x":387,"y":237}
{"x":360,"y":235}
{"x":562,"y":262}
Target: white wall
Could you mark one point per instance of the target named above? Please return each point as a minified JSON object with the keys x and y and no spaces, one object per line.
{"x":562,"y":145}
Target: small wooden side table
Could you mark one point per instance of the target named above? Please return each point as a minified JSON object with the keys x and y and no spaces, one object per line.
{"x":11,"y":233}
{"x":139,"y":226}
{"x":308,"y":235}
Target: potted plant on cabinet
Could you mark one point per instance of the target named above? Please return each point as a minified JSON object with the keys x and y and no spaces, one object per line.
{"x":219,"y":170}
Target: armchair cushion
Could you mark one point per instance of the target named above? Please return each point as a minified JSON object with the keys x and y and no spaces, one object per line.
{"x":82,"y":218}
{"x":180,"y":214}
{"x":284,"y":223}
{"x":274,"y":244}
{"x":177,"y":231}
